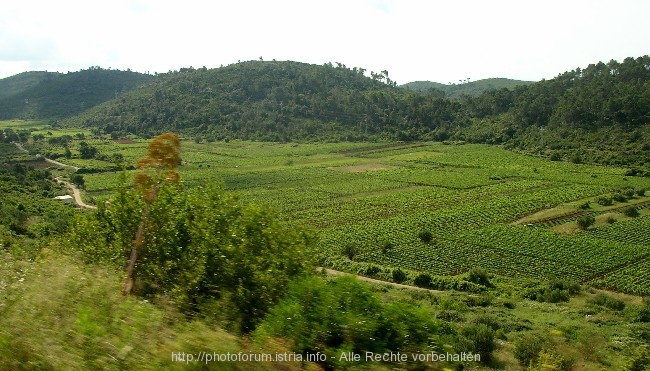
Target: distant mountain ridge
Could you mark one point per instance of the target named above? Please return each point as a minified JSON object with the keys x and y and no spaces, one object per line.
{"x":50,"y":95}
{"x":472,"y":88}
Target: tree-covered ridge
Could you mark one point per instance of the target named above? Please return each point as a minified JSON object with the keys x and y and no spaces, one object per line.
{"x":473,"y":88}
{"x":596,"y":114}
{"x":18,"y":83}
{"x":56,"y":96}
{"x":599,"y":95}
{"x":259,"y":100}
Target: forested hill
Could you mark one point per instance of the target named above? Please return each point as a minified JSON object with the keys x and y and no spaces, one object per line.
{"x":596,"y":114}
{"x":474,"y":88}
{"x":19,"y":83}
{"x":277,"y":101}
{"x":45,"y":95}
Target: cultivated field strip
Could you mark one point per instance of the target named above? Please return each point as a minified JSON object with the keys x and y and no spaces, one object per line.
{"x":378,"y":197}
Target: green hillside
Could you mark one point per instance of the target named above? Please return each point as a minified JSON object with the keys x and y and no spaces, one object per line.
{"x":596,"y":114}
{"x":472,"y":88}
{"x":42,"y":95}
{"x":19,"y":83}
{"x":273,"y":101}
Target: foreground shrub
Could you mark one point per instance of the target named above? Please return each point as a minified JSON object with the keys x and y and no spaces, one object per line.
{"x":343,"y":314}
{"x":62,"y":315}
{"x":528,"y":347}
{"x":644,"y":312}
{"x":640,"y":361}
{"x":549,"y":360}
{"x":198,"y":245}
{"x":478,"y":338}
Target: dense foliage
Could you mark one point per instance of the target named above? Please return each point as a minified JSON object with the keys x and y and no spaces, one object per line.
{"x":199,"y":247}
{"x":273,"y":101}
{"x":27,"y":209}
{"x":18,"y":83}
{"x":63,"y":95}
{"x":343,"y":315}
{"x":464,"y":87}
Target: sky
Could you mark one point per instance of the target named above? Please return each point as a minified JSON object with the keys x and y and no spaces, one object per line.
{"x":443,"y":41}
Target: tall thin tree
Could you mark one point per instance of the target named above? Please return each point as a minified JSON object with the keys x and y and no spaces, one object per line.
{"x":158,"y":167}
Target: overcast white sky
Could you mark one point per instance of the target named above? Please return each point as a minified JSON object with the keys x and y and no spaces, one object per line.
{"x":443,"y":41}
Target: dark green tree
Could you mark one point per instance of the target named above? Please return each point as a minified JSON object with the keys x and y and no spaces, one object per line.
{"x":87,"y":151}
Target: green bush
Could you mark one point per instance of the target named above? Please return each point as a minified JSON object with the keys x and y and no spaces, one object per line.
{"x":478,"y":338}
{"x":640,"y":361}
{"x":585,"y":206}
{"x":372,"y":270}
{"x":482,"y":300}
{"x":398,"y":275}
{"x":607,"y":301}
{"x":644,"y":314}
{"x":628,"y":193}
{"x":554,"y":292}
{"x":528,"y":347}
{"x":631,"y":212}
{"x":605,"y":201}
{"x":479,"y":276}
{"x":584,"y":222}
{"x":549,"y":360}
{"x":425,"y":236}
{"x":619,"y":197}
{"x":349,"y":251}
{"x":423,"y":280}
{"x":343,"y":314}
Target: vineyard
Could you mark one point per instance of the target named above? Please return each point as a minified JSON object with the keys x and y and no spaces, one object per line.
{"x":371,"y":202}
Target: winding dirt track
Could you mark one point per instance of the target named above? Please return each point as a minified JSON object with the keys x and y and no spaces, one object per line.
{"x":57,"y":163}
{"x":76,"y":194}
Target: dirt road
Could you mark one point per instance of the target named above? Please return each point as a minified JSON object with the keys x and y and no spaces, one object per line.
{"x":332,"y":272}
{"x":75,"y":191}
{"x":76,"y":194}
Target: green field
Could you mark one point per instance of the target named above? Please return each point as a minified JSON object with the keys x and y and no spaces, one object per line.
{"x":377,"y":198}
{"x":23,"y":124}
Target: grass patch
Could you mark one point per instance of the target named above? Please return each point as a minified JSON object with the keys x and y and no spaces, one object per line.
{"x":58,"y":314}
